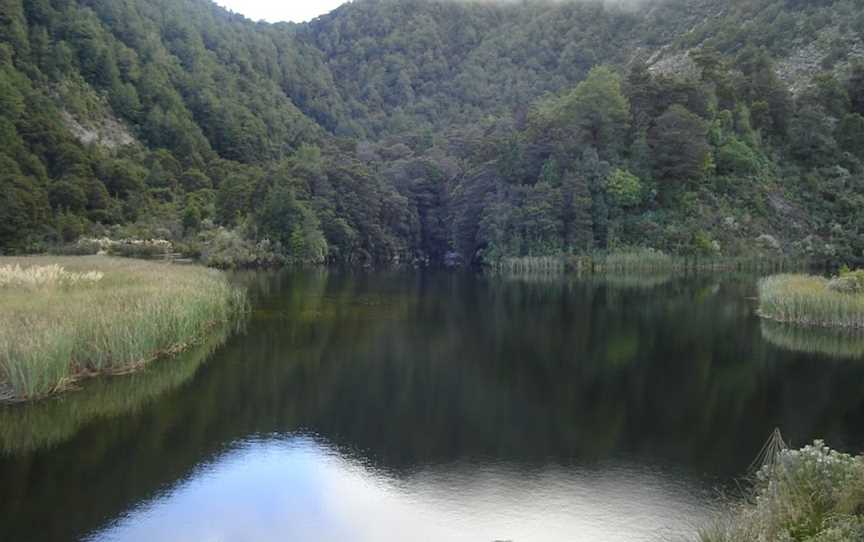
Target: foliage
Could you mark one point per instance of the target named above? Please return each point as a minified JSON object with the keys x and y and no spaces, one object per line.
{"x":228,"y":249}
{"x":418,"y":131}
{"x":624,"y":188}
{"x":850,"y":282}
{"x":814,"y":494}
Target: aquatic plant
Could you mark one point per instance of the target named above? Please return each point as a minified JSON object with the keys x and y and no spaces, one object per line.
{"x":809,"y":300}
{"x":51,"y":337}
{"x":814,"y":494}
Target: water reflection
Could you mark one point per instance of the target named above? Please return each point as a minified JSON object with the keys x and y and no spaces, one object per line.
{"x":300,"y":489}
{"x":26,"y":428}
{"x":835,"y":343}
{"x":450,"y":400}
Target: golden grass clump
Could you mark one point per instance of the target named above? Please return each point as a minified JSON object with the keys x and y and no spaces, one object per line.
{"x":810,"y":301}
{"x":63,"y":319}
{"x":43,"y":276}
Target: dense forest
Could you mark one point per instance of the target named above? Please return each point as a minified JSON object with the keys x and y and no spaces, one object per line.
{"x":433,"y":131}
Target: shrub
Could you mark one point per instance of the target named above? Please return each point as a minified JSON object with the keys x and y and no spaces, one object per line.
{"x":624,"y":188}
{"x":82,"y":247}
{"x":736,"y":158}
{"x":227,"y":249}
{"x":137,"y":248}
{"x":814,"y":494}
{"x":850,"y":282}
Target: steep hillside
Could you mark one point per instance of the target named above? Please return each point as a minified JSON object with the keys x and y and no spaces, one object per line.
{"x":432,"y":130}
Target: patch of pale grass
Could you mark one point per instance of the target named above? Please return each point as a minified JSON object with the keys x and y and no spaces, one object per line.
{"x":44,"y":276}
{"x":134,"y":312}
{"x":808,"y":300}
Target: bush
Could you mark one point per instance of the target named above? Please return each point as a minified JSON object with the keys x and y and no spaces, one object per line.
{"x":82,"y":247}
{"x":136,"y":248}
{"x":227,"y":249}
{"x":736,"y":158}
{"x":624,"y":188}
{"x":814,"y":494}
{"x":849,"y":282}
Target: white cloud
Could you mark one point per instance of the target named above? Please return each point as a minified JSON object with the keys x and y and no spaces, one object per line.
{"x":281,"y":10}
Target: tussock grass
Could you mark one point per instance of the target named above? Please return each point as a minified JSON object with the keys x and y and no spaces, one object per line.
{"x":814,"y":494}
{"x":810,"y":301}
{"x":55,"y":332}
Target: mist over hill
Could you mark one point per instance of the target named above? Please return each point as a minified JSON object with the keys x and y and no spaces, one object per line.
{"x":425,"y":130}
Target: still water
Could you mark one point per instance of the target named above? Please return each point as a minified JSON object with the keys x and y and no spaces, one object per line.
{"x":399,"y":406}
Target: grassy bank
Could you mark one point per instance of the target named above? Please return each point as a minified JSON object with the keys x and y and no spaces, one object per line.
{"x":814,"y":494}
{"x":64,"y":319}
{"x":810,"y":301}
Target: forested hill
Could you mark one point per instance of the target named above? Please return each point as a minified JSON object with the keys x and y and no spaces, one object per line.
{"x":425,"y":130}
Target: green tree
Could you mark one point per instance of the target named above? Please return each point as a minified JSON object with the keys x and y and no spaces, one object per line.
{"x":595,"y":113}
{"x":624,"y":188}
{"x":850,"y":134}
{"x":679,"y":146}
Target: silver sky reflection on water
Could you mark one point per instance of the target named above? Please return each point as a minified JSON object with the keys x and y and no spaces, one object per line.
{"x":297,"y":488}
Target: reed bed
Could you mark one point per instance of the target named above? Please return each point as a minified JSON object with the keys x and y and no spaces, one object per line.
{"x":809,"y":301}
{"x":56,"y":331}
{"x":639,"y":261}
{"x":814,"y":494}
{"x":533,"y":264}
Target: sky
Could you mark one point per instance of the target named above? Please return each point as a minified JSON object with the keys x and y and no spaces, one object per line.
{"x":281,"y":10}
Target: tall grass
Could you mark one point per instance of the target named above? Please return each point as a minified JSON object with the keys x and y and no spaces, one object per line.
{"x":808,"y":300}
{"x":53,"y":333}
{"x":814,"y":494}
{"x":637,"y":261}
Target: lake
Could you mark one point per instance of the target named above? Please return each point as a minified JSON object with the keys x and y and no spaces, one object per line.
{"x":435,"y":406}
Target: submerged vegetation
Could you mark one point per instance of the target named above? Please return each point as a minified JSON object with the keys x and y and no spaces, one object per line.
{"x":811,"y":301}
{"x":63,"y":319}
{"x":814,"y":494}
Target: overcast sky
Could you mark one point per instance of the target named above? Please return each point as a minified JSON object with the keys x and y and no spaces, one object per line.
{"x":281,"y":10}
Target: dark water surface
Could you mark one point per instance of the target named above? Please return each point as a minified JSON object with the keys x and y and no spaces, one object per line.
{"x":396,"y":406}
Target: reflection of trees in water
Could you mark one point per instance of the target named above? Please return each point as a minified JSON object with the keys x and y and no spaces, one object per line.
{"x":835,"y":343}
{"x":408,"y":370}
